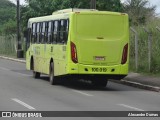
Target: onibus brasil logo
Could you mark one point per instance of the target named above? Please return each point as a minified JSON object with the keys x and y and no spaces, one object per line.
{"x":21,"y":114}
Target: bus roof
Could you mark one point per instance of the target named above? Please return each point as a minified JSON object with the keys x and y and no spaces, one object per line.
{"x":58,"y":15}
{"x":72,"y":10}
{"x":64,"y":14}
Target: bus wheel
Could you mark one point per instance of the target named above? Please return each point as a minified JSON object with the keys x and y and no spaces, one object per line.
{"x":36,"y":74}
{"x":51,"y":75}
{"x":100,"y":83}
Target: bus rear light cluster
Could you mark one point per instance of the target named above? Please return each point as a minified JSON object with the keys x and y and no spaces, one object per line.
{"x":125,"y":54}
{"x":74,"y":53}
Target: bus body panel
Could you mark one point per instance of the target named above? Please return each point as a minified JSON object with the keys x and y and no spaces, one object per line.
{"x":28,"y":60}
{"x":103,"y":49}
{"x":100,"y":36}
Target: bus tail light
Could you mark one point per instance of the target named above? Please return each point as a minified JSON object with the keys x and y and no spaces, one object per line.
{"x":74,"y":53}
{"x":125,"y":54}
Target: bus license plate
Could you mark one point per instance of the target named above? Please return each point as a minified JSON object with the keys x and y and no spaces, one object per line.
{"x":99,"y":69}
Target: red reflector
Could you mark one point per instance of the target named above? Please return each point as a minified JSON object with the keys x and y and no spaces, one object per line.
{"x":74,"y":53}
{"x":125,"y":54}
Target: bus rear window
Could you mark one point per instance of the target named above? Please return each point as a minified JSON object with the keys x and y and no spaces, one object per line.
{"x":106,"y":26}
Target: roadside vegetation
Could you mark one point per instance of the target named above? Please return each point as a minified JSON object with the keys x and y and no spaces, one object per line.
{"x":7,"y":28}
{"x":143,"y":64}
{"x":7,"y":17}
{"x":141,"y":14}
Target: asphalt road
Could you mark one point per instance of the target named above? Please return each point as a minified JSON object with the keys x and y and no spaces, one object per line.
{"x":20,"y":92}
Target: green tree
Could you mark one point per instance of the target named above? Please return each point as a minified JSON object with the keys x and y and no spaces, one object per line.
{"x":36,"y":8}
{"x":10,"y":27}
{"x":7,"y":13}
{"x":109,"y":5}
{"x":139,"y":11}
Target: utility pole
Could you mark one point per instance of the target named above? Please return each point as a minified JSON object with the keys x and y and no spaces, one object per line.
{"x":19,"y":45}
{"x":149,"y":48}
{"x":136,"y":47}
{"x":93,"y":4}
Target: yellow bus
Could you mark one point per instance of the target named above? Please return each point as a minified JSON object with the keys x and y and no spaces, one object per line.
{"x":79,"y":43}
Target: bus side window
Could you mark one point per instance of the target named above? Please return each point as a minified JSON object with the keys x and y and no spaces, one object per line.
{"x":61,"y":31}
{"x":52,"y":40}
{"x":33,"y":32}
{"x":43,"y":33}
{"x":35,"y":39}
{"x":46,"y":32}
{"x":55,"y":32}
{"x":66,"y":29}
{"x":58,"y":32}
{"x":38,"y":32}
{"x":49,"y":32}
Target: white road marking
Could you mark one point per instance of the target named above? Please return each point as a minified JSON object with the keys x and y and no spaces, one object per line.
{"x":83,"y":93}
{"x":24,"y":104}
{"x":134,"y":108}
{"x":2,"y":68}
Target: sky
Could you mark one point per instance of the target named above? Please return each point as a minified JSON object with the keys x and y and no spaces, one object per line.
{"x":152,"y":2}
{"x":21,"y":1}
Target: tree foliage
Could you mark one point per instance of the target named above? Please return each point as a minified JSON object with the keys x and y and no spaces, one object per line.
{"x":10,"y":27}
{"x":7,"y":15}
{"x":139,"y":11}
{"x":47,"y":7}
{"x":109,"y":5}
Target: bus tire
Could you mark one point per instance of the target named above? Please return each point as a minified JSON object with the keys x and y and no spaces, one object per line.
{"x":52,"y":78}
{"x":100,"y":83}
{"x":35,"y":74}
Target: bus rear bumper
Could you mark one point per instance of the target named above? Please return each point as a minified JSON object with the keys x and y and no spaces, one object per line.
{"x":114,"y":71}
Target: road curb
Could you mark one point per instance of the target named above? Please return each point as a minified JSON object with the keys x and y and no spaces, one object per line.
{"x":13,"y":59}
{"x":138,"y":85}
